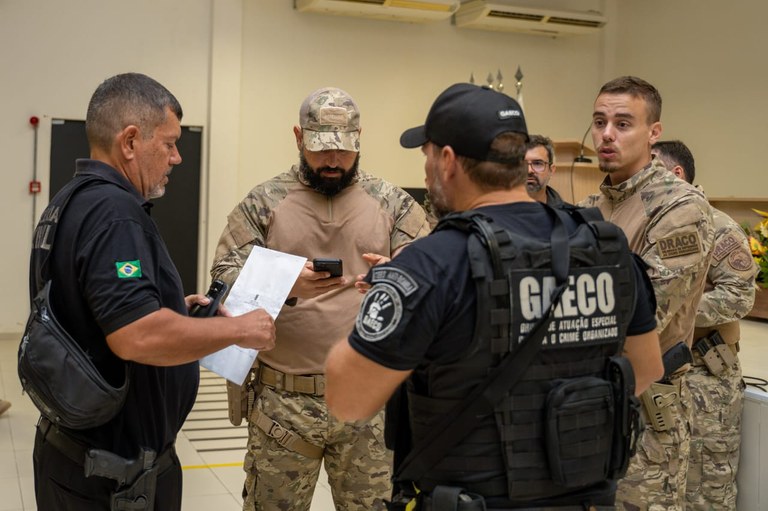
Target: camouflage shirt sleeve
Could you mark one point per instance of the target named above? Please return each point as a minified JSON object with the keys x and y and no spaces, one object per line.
{"x":411,"y":223}
{"x":410,"y":218}
{"x":247,"y":226}
{"x":678,"y":250}
{"x":589,"y":202}
{"x":730,"y":291}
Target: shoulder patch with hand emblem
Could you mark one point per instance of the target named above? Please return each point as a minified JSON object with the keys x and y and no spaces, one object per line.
{"x":380,"y":313}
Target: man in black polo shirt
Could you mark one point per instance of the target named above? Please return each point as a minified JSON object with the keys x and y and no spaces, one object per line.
{"x":116,"y":291}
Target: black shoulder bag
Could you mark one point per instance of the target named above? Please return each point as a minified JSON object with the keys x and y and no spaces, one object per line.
{"x":55,"y":372}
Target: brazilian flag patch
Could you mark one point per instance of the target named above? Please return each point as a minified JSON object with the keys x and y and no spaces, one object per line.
{"x":128,"y":269}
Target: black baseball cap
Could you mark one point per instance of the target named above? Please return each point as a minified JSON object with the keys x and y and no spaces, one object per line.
{"x":467,"y":118}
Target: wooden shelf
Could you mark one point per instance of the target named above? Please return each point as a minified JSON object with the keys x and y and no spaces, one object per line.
{"x":740,"y":208}
{"x":568,"y":150}
{"x":760,"y":309}
{"x":739,"y":199}
{"x":574,"y":181}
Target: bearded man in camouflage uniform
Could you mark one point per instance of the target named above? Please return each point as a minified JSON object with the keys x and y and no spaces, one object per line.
{"x":669,"y":224}
{"x":323,"y":207}
{"x":715,"y":381}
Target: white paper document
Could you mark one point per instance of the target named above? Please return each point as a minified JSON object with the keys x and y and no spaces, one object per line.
{"x":264,"y":283}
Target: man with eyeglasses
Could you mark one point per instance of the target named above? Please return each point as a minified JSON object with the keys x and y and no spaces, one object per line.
{"x":540,"y":157}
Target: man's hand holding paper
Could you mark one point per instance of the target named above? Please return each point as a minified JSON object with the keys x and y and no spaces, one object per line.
{"x":260,"y":291}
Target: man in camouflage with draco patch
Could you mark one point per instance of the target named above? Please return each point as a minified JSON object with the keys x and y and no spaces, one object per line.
{"x":715,"y":380}
{"x":324,"y":207}
{"x":669,"y":224}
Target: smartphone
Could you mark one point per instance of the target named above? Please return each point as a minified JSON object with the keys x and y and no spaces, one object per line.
{"x":215,"y":293}
{"x":330,"y":265}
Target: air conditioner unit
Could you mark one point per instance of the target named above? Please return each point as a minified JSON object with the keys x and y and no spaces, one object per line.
{"x":486,"y":15}
{"x":393,"y":10}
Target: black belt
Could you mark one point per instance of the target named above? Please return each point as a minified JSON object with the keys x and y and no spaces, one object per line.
{"x":480,"y":505}
{"x":472,"y":506}
{"x":76,"y":450}
{"x":561,"y":508}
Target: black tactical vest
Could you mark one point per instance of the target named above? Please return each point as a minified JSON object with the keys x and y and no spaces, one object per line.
{"x":552,"y":433}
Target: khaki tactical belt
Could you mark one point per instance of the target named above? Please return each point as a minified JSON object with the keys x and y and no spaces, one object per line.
{"x":730,"y":332}
{"x":313,"y":384}
{"x":285,"y":437}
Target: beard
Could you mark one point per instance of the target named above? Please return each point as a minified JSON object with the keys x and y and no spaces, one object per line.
{"x":437,"y":202}
{"x":607,"y":168}
{"x":328,"y":186}
{"x":156,"y":192}
{"x":535,"y":186}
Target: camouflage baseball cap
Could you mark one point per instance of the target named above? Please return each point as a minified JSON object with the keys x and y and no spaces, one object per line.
{"x":329,"y":120}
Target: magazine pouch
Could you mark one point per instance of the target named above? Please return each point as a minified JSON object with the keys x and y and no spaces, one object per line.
{"x":579,"y":430}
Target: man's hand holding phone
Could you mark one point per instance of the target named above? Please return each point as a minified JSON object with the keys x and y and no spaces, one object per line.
{"x":314,"y":280}
{"x":332,"y":266}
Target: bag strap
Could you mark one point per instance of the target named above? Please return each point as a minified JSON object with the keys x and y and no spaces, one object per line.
{"x":45,"y":231}
{"x":458,"y":423}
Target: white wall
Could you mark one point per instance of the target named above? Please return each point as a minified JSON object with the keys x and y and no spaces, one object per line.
{"x":52,"y":56}
{"x":242,"y":67}
{"x":394,"y":71}
{"x":707,"y":58}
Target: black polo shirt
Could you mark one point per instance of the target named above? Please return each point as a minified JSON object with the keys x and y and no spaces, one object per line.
{"x":110,"y":267}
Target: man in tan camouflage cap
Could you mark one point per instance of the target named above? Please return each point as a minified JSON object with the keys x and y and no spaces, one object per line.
{"x":329,"y":120}
{"x":669,"y":224}
{"x":715,"y":380}
{"x":323,"y":207}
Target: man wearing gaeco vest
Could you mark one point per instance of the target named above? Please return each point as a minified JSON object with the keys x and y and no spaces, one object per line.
{"x":442,"y":327}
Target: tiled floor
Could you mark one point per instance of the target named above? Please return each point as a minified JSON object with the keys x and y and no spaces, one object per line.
{"x":211,"y":450}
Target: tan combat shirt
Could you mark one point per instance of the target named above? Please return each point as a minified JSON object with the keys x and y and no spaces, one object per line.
{"x":370,"y":215}
{"x":669,"y":225}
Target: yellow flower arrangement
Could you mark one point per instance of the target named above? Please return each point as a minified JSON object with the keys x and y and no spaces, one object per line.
{"x":758,"y":243}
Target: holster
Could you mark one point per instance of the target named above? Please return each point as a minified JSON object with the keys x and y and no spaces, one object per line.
{"x":658,"y":402}
{"x":136,"y":478}
{"x":240,"y":398}
{"x":237,"y":402}
{"x":139,"y":496}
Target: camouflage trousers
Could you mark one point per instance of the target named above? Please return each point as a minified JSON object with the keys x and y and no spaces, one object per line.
{"x":656,"y":478}
{"x":715,"y":438}
{"x":357,"y":463}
